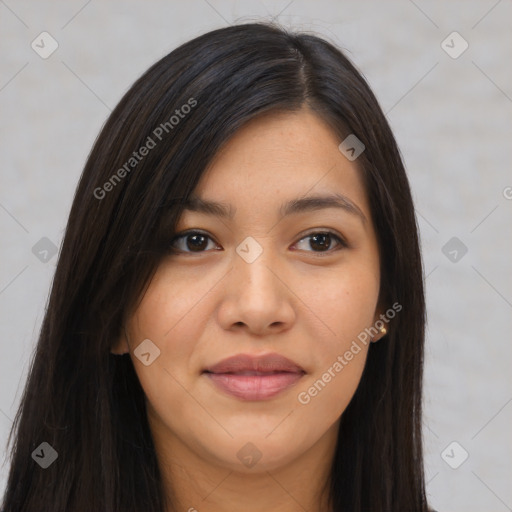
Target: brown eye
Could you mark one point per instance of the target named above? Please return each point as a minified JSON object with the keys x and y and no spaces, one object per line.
{"x":192,"y":241}
{"x":322,"y":241}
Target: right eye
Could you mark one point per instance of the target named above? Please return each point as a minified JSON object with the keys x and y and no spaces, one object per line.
{"x":191,"y":241}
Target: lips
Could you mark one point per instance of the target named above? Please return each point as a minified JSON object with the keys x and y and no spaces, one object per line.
{"x":254,"y":377}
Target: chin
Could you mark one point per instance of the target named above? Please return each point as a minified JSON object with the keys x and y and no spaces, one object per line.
{"x":254,"y":454}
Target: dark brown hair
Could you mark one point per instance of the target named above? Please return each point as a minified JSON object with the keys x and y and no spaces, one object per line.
{"x":88,"y":403}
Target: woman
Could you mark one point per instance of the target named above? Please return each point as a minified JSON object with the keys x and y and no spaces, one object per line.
{"x":237,"y":316}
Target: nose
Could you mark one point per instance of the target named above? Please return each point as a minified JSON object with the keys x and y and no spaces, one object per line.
{"x":256,"y":297}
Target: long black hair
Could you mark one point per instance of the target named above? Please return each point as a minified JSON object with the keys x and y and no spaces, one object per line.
{"x":87,"y":403}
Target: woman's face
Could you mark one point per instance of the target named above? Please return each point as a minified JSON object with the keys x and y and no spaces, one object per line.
{"x":285,"y":277}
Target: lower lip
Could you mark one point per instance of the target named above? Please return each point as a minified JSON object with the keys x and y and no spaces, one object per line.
{"x":254,"y":387}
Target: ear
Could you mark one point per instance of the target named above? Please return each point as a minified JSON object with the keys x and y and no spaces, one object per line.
{"x":120,"y":346}
{"x":380,"y":323}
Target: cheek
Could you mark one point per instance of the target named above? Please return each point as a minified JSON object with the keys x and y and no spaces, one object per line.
{"x":171,"y":315}
{"x":344,"y":299}
{"x":172,"y":309}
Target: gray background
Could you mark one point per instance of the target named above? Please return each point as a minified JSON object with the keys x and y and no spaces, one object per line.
{"x":452,"y":119}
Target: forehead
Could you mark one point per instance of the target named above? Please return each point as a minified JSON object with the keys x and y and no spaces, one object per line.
{"x":279,"y":157}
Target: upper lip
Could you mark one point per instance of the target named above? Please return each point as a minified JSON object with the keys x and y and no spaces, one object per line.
{"x":267,"y":363}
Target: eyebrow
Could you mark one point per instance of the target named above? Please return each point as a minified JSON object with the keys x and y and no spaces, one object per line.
{"x":294,"y":206}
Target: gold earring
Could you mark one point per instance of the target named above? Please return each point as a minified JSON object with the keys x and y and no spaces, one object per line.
{"x":383,"y":331}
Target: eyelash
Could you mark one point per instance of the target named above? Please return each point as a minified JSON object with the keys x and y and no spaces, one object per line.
{"x":341,"y":242}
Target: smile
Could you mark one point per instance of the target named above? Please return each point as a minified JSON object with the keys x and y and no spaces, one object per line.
{"x":254,"y":378}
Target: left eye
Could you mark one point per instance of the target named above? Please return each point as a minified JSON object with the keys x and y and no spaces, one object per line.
{"x":195,"y":241}
{"x":323,"y":240}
